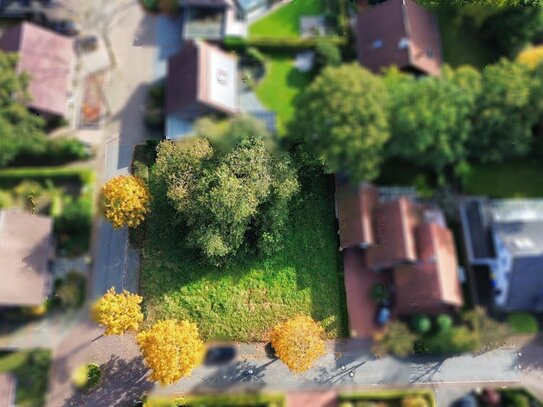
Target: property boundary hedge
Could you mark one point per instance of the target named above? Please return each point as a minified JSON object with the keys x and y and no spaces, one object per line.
{"x":280,"y":44}
{"x":387,"y":395}
{"x":85,"y":175}
{"x":223,"y":400}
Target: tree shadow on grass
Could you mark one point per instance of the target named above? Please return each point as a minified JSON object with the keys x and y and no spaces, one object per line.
{"x":122,"y":382}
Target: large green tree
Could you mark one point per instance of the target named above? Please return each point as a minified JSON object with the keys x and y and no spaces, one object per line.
{"x":228,"y":196}
{"x":430,"y":117}
{"x":341,"y":121}
{"x":19,"y":129}
{"x":507,"y":111}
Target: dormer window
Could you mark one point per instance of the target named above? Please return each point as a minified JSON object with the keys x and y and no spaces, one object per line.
{"x":378,"y":44}
{"x":403,"y":43}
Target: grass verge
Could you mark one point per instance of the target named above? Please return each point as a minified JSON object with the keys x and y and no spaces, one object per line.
{"x":522,"y":323}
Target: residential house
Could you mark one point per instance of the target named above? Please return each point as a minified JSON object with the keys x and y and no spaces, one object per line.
{"x":49,"y":59}
{"x":213,"y":19}
{"x":7,"y":390}
{"x":392,"y":239}
{"x":504,"y":245}
{"x":202,"y":80}
{"x":400,"y":33}
{"x":26,"y":246}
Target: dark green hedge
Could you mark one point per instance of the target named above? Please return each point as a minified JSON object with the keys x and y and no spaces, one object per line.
{"x":280,"y":44}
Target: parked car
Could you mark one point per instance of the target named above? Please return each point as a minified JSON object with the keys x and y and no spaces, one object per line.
{"x":66,"y":27}
{"x":87,"y":43}
{"x":220,"y":354}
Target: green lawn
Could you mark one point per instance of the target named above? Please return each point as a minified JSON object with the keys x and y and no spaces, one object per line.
{"x":514,"y":179}
{"x":31,"y":369}
{"x":284,"y":22}
{"x":460,"y":40}
{"x":279,"y":88}
{"x":243,"y":301}
{"x":522,"y":323}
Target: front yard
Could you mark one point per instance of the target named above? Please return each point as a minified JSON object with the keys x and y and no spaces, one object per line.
{"x":31,"y":370}
{"x":243,"y":301}
{"x":284,"y":22}
{"x":280,"y":86}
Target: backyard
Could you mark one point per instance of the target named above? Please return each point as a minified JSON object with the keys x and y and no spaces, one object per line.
{"x":244,"y":300}
{"x":284,"y":22}
{"x":281,"y":84}
{"x":31,"y":370}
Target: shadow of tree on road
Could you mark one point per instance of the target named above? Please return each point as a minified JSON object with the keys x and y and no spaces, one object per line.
{"x":122,"y":382}
{"x":424,"y":370}
{"x":242,"y":374}
{"x":329,"y":377}
{"x":530,"y":357}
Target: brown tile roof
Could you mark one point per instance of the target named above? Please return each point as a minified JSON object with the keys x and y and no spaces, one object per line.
{"x":48,"y":58}
{"x":432,"y":284}
{"x":395,"y":222}
{"x":25,"y":242}
{"x":7,"y":390}
{"x":401,"y":33}
{"x":190,"y":77}
{"x":355,"y":205}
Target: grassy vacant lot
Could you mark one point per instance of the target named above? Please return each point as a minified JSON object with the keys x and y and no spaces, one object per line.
{"x":243,"y":301}
{"x":284,"y":22}
{"x":31,"y":369}
{"x":279,"y":88}
{"x":514,"y":179}
{"x":522,"y":323}
{"x":460,"y":40}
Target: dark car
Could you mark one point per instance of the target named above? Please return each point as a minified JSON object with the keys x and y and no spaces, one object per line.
{"x":221,"y":354}
{"x":87,"y":43}
{"x":66,"y":27}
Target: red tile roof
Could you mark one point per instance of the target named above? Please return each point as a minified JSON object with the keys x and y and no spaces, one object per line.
{"x":48,"y":58}
{"x":401,"y":33}
{"x":355,"y":205}
{"x":432,"y":284}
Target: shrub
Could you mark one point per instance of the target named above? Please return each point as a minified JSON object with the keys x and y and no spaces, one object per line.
{"x":56,"y":151}
{"x":150,"y":5}
{"x":414,"y":401}
{"x":522,"y":323}
{"x":453,"y":341}
{"x":326,"y":54}
{"x":73,"y":225}
{"x":444,"y":322}
{"x":6,"y":200}
{"x":71,"y":290}
{"x":379,"y":293}
{"x":87,"y":377}
{"x":421,"y":324}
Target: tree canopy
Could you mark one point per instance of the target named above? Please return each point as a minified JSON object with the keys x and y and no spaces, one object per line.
{"x":430,"y":118}
{"x":298,"y":342}
{"x":229,"y":196}
{"x":19,"y":129}
{"x":171,"y":349}
{"x":341,"y":120}
{"x":126,"y":201}
{"x":118,"y":312}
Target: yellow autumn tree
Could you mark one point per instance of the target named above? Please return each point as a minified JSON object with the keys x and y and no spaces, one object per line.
{"x":171,"y":349}
{"x":126,"y":201}
{"x":118,"y":312}
{"x":531,"y":57}
{"x":298,"y":342}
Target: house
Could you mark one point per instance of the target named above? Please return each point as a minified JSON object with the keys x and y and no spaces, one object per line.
{"x":25,"y":250}
{"x":400,"y":33}
{"x":7,"y":390}
{"x":202,"y":80}
{"x":49,"y":60}
{"x":392,"y":239}
{"x":214,"y":19}
{"x":504,"y":245}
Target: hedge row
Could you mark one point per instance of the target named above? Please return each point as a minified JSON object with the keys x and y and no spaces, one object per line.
{"x":280,"y":44}
{"x":85,"y":175}
{"x":222,"y":400}
{"x":387,"y":395}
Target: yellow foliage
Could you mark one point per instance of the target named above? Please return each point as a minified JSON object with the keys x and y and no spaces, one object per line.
{"x":126,"y":201}
{"x":171,"y":349}
{"x":414,"y":401}
{"x":298,"y":342}
{"x":118,"y":312}
{"x":531,"y":57}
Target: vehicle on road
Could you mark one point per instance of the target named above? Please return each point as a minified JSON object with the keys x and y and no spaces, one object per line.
{"x":220,"y":354}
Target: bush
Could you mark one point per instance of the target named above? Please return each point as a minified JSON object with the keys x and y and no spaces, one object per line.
{"x":415,"y":401}
{"x":6,"y":200}
{"x":522,"y":323}
{"x":70,"y":292}
{"x":421,"y":324}
{"x":150,"y":5}
{"x":326,"y":54}
{"x":56,"y":151}
{"x":87,"y":377}
{"x":13,"y":176}
{"x":280,"y":44}
{"x":455,"y":340}
{"x":444,"y":322}
{"x":73,"y":226}
{"x":379,"y":293}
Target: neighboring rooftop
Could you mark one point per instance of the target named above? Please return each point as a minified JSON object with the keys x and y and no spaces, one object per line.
{"x":48,"y":58}
{"x":201,"y":79}
{"x":25,"y":244}
{"x":7,"y":390}
{"x":401,"y":33}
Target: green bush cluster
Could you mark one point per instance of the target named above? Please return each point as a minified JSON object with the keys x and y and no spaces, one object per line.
{"x":73,"y":225}
{"x":87,"y":377}
{"x":279,"y":44}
